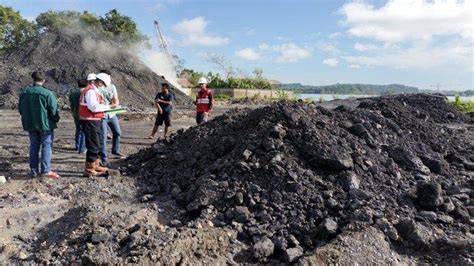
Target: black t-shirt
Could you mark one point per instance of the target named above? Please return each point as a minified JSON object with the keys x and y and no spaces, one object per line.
{"x":165,"y":97}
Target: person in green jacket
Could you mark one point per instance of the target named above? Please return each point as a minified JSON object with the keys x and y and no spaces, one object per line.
{"x":74,"y":95}
{"x":39,"y":114}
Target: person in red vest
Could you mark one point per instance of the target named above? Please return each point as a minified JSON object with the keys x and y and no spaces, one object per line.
{"x":91,"y":112}
{"x":204,"y":102}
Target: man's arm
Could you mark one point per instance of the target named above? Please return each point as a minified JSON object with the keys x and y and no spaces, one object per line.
{"x":163,"y":101}
{"x":53,"y":111}
{"x":211,"y":101}
{"x":93,"y":104}
{"x":115,"y":98}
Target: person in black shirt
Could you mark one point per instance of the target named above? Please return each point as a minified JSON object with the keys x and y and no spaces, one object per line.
{"x":164,"y":104}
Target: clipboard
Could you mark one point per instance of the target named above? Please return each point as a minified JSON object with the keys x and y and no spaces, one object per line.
{"x":116,"y":111}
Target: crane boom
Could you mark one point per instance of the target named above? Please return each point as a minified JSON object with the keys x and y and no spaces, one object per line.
{"x":162,"y":42}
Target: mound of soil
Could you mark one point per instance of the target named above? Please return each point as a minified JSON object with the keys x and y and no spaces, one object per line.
{"x":292,"y":178}
{"x":67,"y":57}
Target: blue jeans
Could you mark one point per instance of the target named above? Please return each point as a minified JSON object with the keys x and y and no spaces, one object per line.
{"x":113,"y":123}
{"x":41,"y":140}
{"x":80,"y":138}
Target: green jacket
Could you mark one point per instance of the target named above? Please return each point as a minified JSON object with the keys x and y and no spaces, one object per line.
{"x":74,"y":103}
{"x":38,"y":108}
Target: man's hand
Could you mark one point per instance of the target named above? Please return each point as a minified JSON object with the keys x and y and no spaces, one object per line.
{"x":113,"y":106}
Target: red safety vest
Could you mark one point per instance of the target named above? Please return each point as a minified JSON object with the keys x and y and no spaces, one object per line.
{"x":203,"y":101}
{"x":84,"y":112}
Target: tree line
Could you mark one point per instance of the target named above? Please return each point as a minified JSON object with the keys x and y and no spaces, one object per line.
{"x":338,"y":88}
{"x":255,"y":81}
{"x":16,"y":30}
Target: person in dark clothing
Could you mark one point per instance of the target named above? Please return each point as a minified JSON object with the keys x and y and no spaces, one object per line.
{"x":80,"y":138}
{"x":39,"y":114}
{"x":164,"y":104}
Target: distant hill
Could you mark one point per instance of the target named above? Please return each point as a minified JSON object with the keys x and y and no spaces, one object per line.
{"x":349,"y":88}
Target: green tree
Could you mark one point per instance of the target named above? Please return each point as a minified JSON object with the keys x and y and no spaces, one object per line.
{"x":14,"y":29}
{"x":56,"y":20}
{"x":122,"y":27}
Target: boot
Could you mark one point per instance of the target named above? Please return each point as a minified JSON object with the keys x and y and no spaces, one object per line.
{"x":90,"y":170}
{"x":99,"y":169}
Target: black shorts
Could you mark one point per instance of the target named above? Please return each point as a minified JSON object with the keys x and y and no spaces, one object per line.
{"x":163,"y":117}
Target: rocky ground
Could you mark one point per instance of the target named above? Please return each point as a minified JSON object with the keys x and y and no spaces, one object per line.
{"x":382,"y":180}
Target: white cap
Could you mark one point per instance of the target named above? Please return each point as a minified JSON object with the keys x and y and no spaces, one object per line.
{"x":105,"y":78}
{"x":91,"y":76}
{"x":202,"y":80}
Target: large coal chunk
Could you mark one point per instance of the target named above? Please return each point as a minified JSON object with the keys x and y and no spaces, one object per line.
{"x":429,"y":195}
{"x":405,"y":158}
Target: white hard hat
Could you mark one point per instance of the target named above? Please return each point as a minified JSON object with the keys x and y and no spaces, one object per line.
{"x":202,"y":80}
{"x":105,"y":78}
{"x":91,"y":76}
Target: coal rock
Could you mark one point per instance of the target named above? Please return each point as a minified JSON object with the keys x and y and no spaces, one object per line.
{"x":292,"y":254}
{"x":328,"y":227}
{"x":427,"y":216}
{"x":389,"y":230}
{"x":350,"y":180}
{"x":415,"y":234}
{"x":429,"y":195}
{"x":263,"y":248}
{"x":241,"y":214}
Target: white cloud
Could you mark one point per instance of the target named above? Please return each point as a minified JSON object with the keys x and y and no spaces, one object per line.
{"x":354,"y":66}
{"x":284,"y":53}
{"x":425,"y":35}
{"x":365,"y":47}
{"x":328,"y":48}
{"x":450,"y":56}
{"x":248,"y":54}
{"x":290,"y":53}
{"x":194,"y":32}
{"x":332,"y":62}
{"x":402,"y":20}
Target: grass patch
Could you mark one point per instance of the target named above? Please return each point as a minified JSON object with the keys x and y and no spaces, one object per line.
{"x":463,"y":106}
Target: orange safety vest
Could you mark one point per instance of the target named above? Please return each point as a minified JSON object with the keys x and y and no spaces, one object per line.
{"x":84,"y":112}
{"x":203,"y":101}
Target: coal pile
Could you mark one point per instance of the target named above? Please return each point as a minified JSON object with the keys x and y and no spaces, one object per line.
{"x":68,"y":56}
{"x":292,"y":177}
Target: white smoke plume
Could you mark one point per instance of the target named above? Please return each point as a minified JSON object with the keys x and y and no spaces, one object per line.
{"x":161,"y":64}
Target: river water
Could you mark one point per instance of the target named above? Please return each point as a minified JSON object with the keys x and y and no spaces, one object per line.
{"x":330,"y":97}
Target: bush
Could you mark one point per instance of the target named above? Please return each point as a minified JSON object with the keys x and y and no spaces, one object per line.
{"x":463,"y":106}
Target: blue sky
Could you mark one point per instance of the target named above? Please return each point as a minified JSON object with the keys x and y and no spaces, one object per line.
{"x":412,"y":42}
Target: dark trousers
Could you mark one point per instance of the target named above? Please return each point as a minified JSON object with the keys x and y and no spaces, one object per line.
{"x":92,"y":131}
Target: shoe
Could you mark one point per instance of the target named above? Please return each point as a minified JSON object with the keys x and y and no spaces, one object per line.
{"x":119,"y":155}
{"x":150,"y":137}
{"x":100,"y":169}
{"x":89,"y":170}
{"x":109,"y":136}
{"x":51,"y":175}
{"x":32,"y":174}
